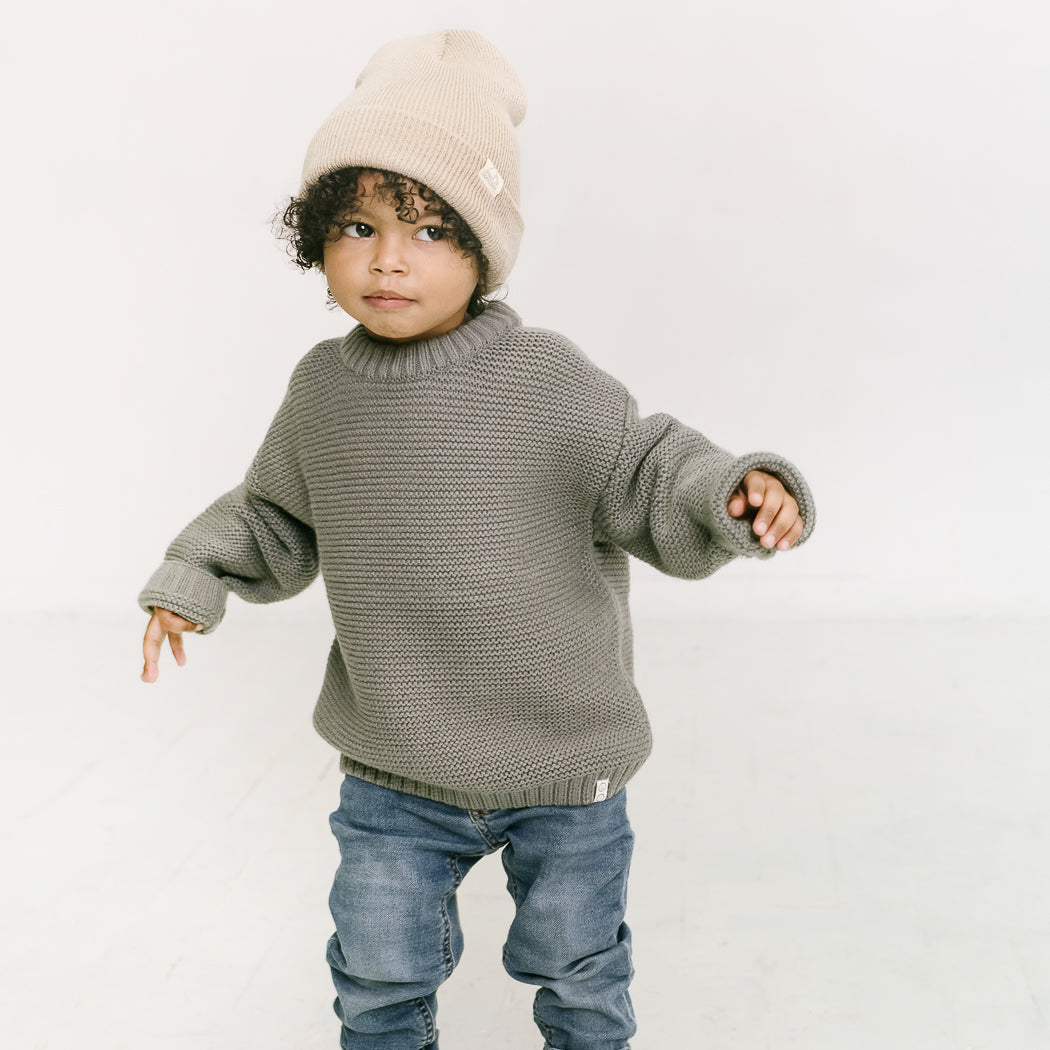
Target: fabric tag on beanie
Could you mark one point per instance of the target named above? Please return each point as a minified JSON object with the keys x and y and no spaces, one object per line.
{"x":491,"y":178}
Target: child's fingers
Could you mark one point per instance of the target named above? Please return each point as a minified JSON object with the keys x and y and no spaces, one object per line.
{"x":776,"y":519}
{"x":754,"y":485}
{"x":749,"y":493}
{"x":175,"y":639}
{"x":790,"y":538}
{"x":773,"y":497}
{"x":164,"y":624}
{"x":151,"y":644}
{"x":783,"y":522}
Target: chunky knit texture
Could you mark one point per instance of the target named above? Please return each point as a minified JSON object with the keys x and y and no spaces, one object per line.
{"x":470,"y":501}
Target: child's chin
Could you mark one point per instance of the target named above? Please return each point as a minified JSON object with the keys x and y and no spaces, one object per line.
{"x":392,"y":334}
{"x":405,"y":332}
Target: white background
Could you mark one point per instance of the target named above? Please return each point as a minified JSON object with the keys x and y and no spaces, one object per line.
{"x":818,"y":228}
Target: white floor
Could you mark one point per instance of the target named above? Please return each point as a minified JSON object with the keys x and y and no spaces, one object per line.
{"x":843,"y":842}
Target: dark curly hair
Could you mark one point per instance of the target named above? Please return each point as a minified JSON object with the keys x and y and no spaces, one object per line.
{"x":308,"y":221}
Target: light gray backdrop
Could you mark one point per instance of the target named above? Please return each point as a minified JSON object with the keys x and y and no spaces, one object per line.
{"x":815,"y":227}
{"x":818,"y":227}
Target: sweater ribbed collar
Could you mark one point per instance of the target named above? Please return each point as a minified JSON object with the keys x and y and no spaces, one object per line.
{"x":364,"y":355}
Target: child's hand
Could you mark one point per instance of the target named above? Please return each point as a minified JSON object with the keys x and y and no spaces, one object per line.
{"x":775,"y":512}
{"x":164,"y":623}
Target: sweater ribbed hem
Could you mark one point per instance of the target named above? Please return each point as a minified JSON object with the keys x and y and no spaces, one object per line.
{"x":575,"y":791}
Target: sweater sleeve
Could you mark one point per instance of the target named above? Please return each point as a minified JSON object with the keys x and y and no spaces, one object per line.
{"x":257,"y":540}
{"x":665,"y":500}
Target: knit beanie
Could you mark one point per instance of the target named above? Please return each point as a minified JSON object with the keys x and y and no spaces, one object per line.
{"x":440,"y":109}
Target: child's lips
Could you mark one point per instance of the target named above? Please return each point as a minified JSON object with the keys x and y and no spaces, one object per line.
{"x":386,"y":299}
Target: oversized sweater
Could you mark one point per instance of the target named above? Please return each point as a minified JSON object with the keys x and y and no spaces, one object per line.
{"x":470,"y":502}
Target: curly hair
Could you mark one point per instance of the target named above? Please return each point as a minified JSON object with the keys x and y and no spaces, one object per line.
{"x":308,"y":221}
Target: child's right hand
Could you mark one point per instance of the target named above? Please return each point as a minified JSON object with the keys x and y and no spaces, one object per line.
{"x":164,"y":623}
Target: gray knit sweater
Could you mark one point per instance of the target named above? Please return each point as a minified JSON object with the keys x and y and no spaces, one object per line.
{"x":470,"y":502}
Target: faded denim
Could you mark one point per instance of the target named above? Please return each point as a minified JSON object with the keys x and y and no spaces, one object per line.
{"x":398,"y":935}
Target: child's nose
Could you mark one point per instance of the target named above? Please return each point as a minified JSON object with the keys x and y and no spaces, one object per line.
{"x":389,"y":256}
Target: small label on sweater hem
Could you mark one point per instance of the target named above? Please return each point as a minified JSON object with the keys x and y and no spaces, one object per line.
{"x":601,"y":790}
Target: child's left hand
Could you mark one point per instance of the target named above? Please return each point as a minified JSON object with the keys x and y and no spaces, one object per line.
{"x":775,"y":511}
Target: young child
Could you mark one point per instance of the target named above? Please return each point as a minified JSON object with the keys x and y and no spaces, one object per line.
{"x":470,"y":490}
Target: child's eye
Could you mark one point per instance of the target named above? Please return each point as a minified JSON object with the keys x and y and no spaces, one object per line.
{"x":431,"y":233}
{"x":358,"y":229}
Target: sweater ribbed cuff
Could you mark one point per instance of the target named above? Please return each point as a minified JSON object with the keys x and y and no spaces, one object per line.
{"x":736,"y":533}
{"x":188,"y":591}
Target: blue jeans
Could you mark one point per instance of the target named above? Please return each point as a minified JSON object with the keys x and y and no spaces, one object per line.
{"x":397,"y":927}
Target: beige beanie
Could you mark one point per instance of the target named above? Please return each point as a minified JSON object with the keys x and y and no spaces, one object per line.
{"x":441,"y":109}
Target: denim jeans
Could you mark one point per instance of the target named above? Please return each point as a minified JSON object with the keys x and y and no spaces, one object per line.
{"x":397,"y":927}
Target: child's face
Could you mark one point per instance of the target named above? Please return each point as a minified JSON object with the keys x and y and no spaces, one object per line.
{"x":401,"y":280}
